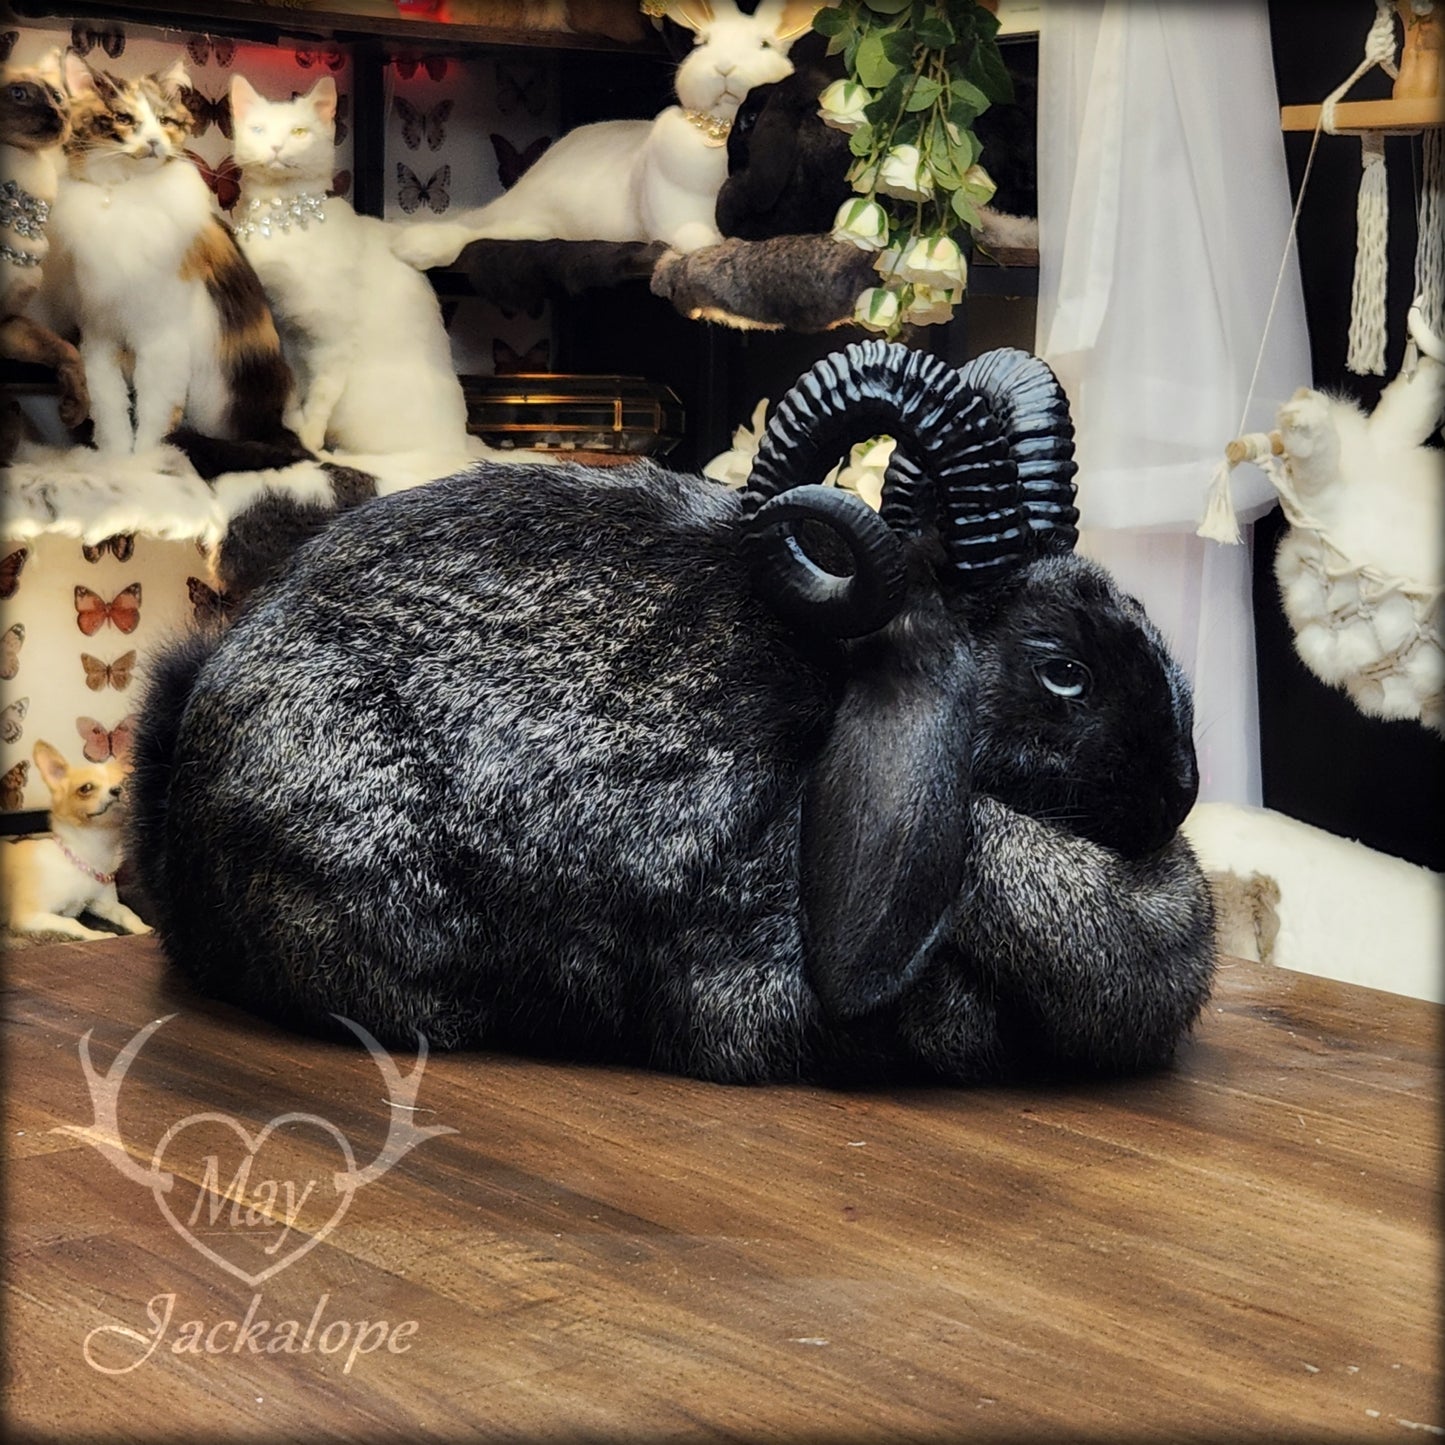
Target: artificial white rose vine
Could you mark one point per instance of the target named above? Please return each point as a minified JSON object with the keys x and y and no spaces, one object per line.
{"x":920,"y":72}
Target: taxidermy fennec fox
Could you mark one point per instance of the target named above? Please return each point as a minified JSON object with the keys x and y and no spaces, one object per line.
{"x":49,"y":880}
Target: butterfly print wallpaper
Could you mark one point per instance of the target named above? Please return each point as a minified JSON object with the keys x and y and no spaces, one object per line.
{"x":460,"y":131}
{"x":77,"y":620}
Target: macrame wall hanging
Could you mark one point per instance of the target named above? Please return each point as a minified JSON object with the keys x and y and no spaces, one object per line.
{"x":1416,"y":96}
{"x":1360,"y":570}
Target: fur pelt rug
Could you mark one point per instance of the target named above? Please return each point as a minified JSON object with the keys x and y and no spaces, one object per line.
{"x":253,"y":521}
{"x":1302,"y":898}
{"x":794,"y":283}
{"x":803,"y":283}
{"x":521,"y":273}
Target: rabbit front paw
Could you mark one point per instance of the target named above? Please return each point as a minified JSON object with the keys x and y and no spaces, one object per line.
{"x":693,"y":236}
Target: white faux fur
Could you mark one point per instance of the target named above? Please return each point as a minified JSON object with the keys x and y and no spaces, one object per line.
{"x":998,"y":230}
{"x":79,"y":493}
{"x":1323,"y":904}
{"x":1360,"y":571}
{"x":362,"y":330}
{"x":633,"y":180}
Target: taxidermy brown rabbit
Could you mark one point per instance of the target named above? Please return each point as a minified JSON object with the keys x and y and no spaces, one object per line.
{"x":604,"y":763}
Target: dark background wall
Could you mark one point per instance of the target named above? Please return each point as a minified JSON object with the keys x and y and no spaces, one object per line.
{"x":1324,"y":761}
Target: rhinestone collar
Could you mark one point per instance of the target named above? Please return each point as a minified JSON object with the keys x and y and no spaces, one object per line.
{"x":21,"y":212}
{"x":83,"y":865}
{"x":714,"y":128}
{"x":19,"y":258}
{"x":280,"y":213}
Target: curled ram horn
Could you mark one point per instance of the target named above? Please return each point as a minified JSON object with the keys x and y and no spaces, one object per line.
{"x":952,"y":471}
{"x":1033,"y":412}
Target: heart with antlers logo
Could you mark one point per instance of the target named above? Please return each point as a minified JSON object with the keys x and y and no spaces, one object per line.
{"x":252,"y":1202}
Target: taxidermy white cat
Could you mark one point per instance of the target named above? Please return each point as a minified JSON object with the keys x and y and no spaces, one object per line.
{"x":362,"y":330}
{"x":165,"y":303}
{"x":1360,"y":571}
{"x":640,"y":180}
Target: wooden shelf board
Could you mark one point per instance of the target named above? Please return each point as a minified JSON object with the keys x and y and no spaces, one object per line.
{"x":1357,"y":116}
{"x":275,"y":23}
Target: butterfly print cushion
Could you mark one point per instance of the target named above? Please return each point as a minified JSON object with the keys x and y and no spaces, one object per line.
{"x":92,"y":611}
{"x":11,"y":641}
{"x":100,"y":675}
{"x":99,"y":742}
{"x":12,"y":787}
{"x":10,"y":570}
{"x":12,"y":720}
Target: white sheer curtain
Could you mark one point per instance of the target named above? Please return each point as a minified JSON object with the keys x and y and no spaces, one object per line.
{"x":1163,"y":214}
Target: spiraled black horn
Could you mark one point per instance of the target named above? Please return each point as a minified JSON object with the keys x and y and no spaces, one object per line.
{"x":1033,"y":412}
{"x":950,"y":461}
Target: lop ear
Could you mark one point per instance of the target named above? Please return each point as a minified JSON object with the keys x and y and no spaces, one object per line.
{"x":885,"y":823}
{"x":772,"y":154}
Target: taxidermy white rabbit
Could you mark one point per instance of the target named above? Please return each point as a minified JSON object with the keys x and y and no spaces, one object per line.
{"x":640,"y":180}
{"x":362,"y":330}
{"x":165,"y":303}
{"x":1360,"y":571}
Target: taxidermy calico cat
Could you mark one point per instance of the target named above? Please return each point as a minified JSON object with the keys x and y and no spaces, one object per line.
{"x":34,"y":121}
{"x":362,"y":330}
{"x":640,"y":180}
{"x":167,"y":306}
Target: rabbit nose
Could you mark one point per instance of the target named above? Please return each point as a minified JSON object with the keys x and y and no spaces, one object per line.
{"x":725,"y":68}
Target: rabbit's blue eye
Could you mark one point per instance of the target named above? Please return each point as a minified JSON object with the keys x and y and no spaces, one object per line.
{"x":1064,"y":677}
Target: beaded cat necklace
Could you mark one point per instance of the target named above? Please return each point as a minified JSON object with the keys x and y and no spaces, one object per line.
{"x":26,"y":215}
{"x":280,"y":213}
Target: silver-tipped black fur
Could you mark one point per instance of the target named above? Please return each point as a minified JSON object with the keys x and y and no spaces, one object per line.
{"x":522,"y":759}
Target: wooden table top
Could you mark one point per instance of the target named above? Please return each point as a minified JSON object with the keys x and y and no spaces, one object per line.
{"x":1246,"y":1247}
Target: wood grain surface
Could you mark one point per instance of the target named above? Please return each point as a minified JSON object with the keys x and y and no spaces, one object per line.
{"x":1246,"y":1247}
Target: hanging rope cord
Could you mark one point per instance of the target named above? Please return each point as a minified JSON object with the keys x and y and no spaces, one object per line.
{"x":1366,"y":355}
{"x":1220,"y":524}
